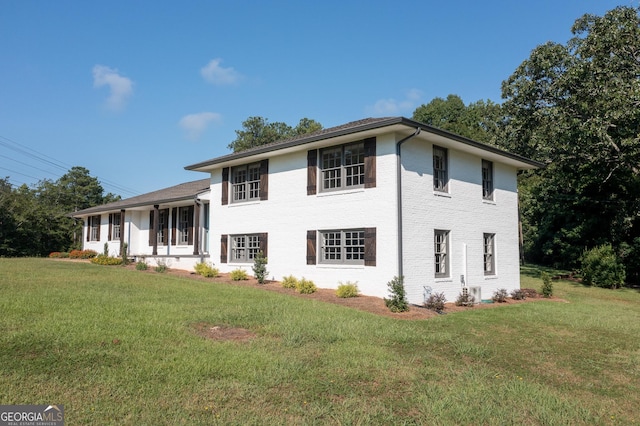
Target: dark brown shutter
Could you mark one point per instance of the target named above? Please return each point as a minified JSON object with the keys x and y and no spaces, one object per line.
{"x":110,"y":225}
{"x":264,"y":180}
{"x":190,"y":226}
{"x":99,"y":220}
{"x":369,"y":246}
{"x":370,"y":163}
{"x":311,"y":247}
{"x":312,"y":165}
{"x":151,"y":228}
{"x":263,"y":241}
{"x":223,"y":248}
{"x":88,"y":228}
{"x":174,"y":225}
{"x":225,"y":186}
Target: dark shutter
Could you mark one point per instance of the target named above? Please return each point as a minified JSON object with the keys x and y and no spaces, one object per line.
{"x":369,"y":246}
{"x":311,"y":247}
{"x":223,"y":248}
{"x":312,"y":164}
{"x":190,"y":226}
{"x":263,"y":240}
{"x":151,"y":228}
{"x":174,"y":225}
{"x":370,"y":163}
{"x":88,"y":228}
{"x":264,"y":180}
{"x":225,"y":186}
{"x":110,"y":225}
{"x":99,"y":220}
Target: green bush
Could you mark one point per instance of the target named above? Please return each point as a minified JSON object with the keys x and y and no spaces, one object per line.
{"x":347,"y":289}
{"x":260,"y":267}
{"x":161,"y":267}
{"x":106,"y":260}
{"x":206,"y":270}
{"x":547,"y":285}
{"x":398,"y":300}
{"x":500,"y":295}
{"x":123,"y":254}
{"x":142,"y":266}
{"x":435,"y":302}
{"x":239,"y":275}
{"x":602,"y":267}
{"x":305,"y":286}
{"x":289,"y":282}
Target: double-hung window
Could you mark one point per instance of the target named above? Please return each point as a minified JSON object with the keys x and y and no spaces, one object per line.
{"x":162,"y":229}
{"x":245,"y":248}
{"x":441,"y":252}
{"x":342,"y":246}
{"x":114,"y":226}
{"x":245,"y":184}
{"x":440,"y":169}
{"x":184,"y":224}
{"x":489,"y":254}
{"x":487,"y":180}
{"x":94,"y":228}
{"x":342,"y":167}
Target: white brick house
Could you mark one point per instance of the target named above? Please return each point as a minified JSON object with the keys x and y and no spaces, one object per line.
{"x":368,"y":201}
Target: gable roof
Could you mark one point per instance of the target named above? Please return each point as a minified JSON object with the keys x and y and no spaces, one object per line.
{"x":181,"y":192}
{"x":359,"y":126}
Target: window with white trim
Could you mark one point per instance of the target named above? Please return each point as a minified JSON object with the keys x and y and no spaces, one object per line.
{"x":487,"y":180}
{"x":489,"y":254}
{"x":245,"y":183}
{"x":342,"y":167}
{"x":184,"y":224}
{"x":440,"y":169}
{"x":94,"y":228}
{"x":345,"y":246}
{"x":244,"y":248}
{"x":114,"y":225}
{"x":162,"y":229}
{"x":441,"y":253}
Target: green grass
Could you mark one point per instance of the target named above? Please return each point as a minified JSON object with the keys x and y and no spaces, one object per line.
{"x":546,"y":362}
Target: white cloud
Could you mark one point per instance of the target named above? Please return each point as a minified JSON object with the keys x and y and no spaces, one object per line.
{"x":120,"y":87}
{"x":196,"y":124}
{"x":393,"y":106}
{"x":220,"y":76}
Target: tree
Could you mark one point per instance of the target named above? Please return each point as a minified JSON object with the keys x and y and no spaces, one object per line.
{"x":478,"y":121}
{"x":576,"y":107}
{"x":257,"y":131}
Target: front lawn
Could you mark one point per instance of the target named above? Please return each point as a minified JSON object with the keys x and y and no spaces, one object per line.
{"x":118,"y":346}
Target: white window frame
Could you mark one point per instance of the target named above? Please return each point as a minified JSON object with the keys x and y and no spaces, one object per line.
{"x":342,"y":246}
{"x":342,"y":167}
{"x":440,"y":169}
{"x":487,"y":180}
{"x":441,"y":252}
{"x":163,"y":219}
{"x":245,"y":183}
{"x":183,"y":226}
{"x":244,"y":248}
{"x":115,"y":227}
{"x":94,"y":226}
{"x":489,"y":253}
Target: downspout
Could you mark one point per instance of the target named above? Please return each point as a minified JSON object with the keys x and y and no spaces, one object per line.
{"x":399,"y":195}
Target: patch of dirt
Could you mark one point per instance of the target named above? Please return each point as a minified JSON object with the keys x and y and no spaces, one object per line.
{"x":374,"y":305}
{"x":220,"y":332}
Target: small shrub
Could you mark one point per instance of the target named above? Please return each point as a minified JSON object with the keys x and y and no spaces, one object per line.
{"x":206,"y":270}
{"x":260,"y":267}
{"x":105,"y":250}
{"x":464,"y":299}
{"x":82,"y":254}
{"x":435,"y":302}
{"x":530,"y":292}
{"x":289,"y":282}
{"x":106,"y":260}
{"x":161,"y":267}
{"x":518,"y":294}
{"x":239,"y":275}
{"x":500,"y":295}
{"x":398,"y":300}
{"x":547,"y":285}
{"x":602,"y":267}
{"x":123,"y":254}
{"x":347,"y":289}
{"x":58,"y":255}
{"x":305,"y":286}
{"x":142,"y":266}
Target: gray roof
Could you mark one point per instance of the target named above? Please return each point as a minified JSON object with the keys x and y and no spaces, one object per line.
{"x":356,"y":127}
{"x":184,"y":191}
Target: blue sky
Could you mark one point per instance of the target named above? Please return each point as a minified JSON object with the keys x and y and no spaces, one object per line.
{"x":136,"y":90}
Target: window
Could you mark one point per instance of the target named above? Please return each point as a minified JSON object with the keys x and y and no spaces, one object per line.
{"x":162,"y":227}
{"x":245,"y":184}
{"x":342,"y":167}
{"x":343,"y":246}
{"x":489,"y":254}
{"x":440,"y":169}
{"x":93,"y":231}
{"x":185,"y":218}
{"x":244,"y":248}
{"x":487,"y":180}
{"x":114,"y":227}
{"x":441,"y":251}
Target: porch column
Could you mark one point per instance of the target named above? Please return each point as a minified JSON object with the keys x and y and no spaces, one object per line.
{"x":153,"y":229}
{"x":122,"y":232}
{"x":196,"y":228}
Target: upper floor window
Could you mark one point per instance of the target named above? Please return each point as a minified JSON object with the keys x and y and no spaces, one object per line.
{"x":93,"y":228}
{"x":114,"y":227}
{"x":248,"y":182}
{"x":441,"y":252}
{"x":440,"y":169}
{"x":487,"y":180}
{"x":342,"y":167}
{"x":489,"y":256}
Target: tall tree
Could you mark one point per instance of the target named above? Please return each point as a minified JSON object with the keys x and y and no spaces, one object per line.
{"x":577,"y":108}
{"x":479,"y":120}
{"x":257,"y":131}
